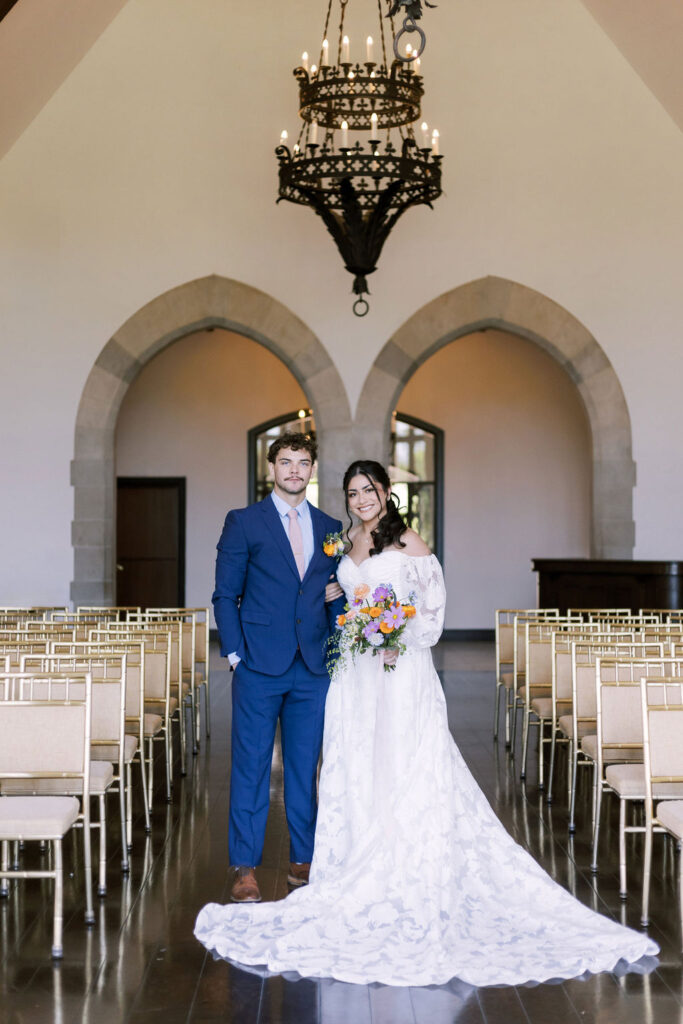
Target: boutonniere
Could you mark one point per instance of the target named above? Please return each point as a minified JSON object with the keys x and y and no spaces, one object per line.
{"x":334,"y":545}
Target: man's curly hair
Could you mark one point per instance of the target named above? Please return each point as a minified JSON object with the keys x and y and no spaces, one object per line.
{"x":297,"y":442}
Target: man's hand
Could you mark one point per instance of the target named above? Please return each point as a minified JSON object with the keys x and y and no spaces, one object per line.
{"x":333,"y":591}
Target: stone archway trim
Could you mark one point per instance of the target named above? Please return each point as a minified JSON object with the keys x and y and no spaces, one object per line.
{"x":493,"y":302}
{"x":207,"y":302}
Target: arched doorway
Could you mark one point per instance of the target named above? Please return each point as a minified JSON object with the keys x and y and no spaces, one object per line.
{"x":198,"y":305}
{"x":492,"y":302}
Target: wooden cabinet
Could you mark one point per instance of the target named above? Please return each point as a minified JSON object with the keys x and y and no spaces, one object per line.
{"x":608,"y":583}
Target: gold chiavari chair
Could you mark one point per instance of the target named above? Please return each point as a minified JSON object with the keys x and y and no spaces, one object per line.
{"x":45,"y":735}
{"x":662,"y":721}
{"x":515,"y":700}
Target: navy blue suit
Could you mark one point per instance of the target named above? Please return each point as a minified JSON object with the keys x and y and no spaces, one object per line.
{"x":278,"y":625}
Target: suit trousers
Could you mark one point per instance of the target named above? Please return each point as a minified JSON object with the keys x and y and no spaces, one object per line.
{"x":297,"y":700}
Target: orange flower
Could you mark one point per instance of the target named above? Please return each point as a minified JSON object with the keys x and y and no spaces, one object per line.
{"x":341,"y":620}
{"x":375,"y":612}
{"x":329,"y":549}
{"x":408,"y":610}
{"x":385,"y":627}
{"x":360,"y":591}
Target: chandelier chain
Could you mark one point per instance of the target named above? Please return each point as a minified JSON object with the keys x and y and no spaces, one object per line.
{"x":342,"y":5}
{"x":327,"y":23}
{"x":381,"y":29}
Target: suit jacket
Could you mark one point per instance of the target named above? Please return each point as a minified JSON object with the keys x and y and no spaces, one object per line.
{"x":263,"y":610}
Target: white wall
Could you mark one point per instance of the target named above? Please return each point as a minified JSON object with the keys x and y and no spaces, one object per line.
{"x":187,"y":414}
{"x":153,"y":165}
{"x":517,"y":468}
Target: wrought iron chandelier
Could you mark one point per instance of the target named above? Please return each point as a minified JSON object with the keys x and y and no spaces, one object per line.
{"x":360,"y":189}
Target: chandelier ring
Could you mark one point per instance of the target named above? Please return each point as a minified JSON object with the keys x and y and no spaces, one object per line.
{"x":409,"y":26}
{"x":361,"y":307}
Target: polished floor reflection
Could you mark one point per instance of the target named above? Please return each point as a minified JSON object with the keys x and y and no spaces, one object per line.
{"x":140,"y":961}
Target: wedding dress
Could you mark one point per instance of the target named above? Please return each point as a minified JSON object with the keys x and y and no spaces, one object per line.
{"x":414,"y":881}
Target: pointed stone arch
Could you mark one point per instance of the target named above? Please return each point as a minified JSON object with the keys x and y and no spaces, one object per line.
{"x":197,"y":305}
{"x":495,"y":302}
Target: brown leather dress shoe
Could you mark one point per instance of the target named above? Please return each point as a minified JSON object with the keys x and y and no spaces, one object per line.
{"x":298,"y":874}
{"x":245,"y":887}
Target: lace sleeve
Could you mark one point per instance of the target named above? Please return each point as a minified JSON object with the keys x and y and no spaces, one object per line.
{"x":424,"y":578}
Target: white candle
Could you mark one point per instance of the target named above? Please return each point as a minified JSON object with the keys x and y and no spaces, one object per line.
{"x":314,"y":69}
{"x":368,"y":49}
{"x":283,"y":137}
{"x":373,"y":125}
{"x":345,"y":134}
{"x":345,"y":50}
{"x":304,"y":61}
{"x":424,"y":128}
{"x":326,"y":50}
{"x":409,"y":52}
{"x":416,"y":66}
{"x":435,"y":143}
{"x":313,"y":134}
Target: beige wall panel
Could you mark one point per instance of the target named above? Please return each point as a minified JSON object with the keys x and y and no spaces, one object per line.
{"x":517,"y":468}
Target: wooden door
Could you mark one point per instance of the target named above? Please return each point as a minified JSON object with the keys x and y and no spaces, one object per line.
{"x":150,"y":541}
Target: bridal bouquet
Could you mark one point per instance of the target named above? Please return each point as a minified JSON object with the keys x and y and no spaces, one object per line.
{"x":373,"y":622}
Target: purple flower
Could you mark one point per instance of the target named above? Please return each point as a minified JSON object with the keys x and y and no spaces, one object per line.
{"x":394,"y":616}
{"x":381,"y":593}
{"x":370,"y":629}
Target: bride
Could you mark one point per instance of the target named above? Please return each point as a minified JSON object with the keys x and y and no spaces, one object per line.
{"x":414,"y":881}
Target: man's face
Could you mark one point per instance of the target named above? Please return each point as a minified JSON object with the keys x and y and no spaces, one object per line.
{"x":291,"y":472}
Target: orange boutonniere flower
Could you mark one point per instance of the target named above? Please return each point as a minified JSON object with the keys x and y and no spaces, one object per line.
{"x":329,"y":550}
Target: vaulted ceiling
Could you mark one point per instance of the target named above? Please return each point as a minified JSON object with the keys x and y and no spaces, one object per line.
{"x":42,"y":42}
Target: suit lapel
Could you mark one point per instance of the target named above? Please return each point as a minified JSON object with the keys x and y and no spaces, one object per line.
{"x":318,"y":524}
{"x":276,"y":529}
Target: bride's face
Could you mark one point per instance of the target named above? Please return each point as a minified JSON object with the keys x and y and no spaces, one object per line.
{"x":367,"y":499}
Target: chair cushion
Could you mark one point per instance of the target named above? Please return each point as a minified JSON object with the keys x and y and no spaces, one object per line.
{"x":101,"y":778}
{"x":152,"y":725}
{"x":589,"y":746}
{"x":199,"y":679}
{"x":507,"y":680}
{"x":37,"y":817}
{"x":566,"y":723}
{"x":628,"y":780}
{"x":670,"y":814}
{"x":110,"y":751}
{"x":543,"y":706}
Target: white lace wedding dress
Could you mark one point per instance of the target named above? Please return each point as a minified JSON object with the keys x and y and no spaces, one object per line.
{"x":414,"y":881}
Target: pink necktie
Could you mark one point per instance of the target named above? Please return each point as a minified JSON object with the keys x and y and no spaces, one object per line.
{"x":296,"y":539}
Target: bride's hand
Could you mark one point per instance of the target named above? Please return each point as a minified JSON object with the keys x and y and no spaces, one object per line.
{"x":332,"y":592}
{"x":390,"y":657}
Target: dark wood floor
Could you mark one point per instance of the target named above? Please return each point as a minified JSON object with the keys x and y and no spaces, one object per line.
{"x":140,"y":962}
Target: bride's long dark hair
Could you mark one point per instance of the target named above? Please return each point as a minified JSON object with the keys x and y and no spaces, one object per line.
{"x":391,"y":525}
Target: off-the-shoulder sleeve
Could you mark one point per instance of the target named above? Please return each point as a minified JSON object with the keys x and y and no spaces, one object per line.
{"x":424,"y":577}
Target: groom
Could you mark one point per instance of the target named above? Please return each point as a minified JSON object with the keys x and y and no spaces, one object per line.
{"x":270,"y":606}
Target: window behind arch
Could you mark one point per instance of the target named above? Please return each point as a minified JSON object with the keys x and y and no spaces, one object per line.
{"x":416,"y":469}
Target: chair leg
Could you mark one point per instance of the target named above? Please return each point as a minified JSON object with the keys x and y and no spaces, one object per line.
{"x":647,"y":869}
{"x":525,"y":744}
{"x":541,"y":766}
{"x":623,"y":892}
{"x":122,"y":814}
{"x":87,"y":867}
{"x":15,"y":855}
{"x":191,"y":701}
{"x":680,"y":884}
{"x":168,"y":746}
{"x":496,"y":711}
{"x":183,"y":738}
{"x":150,"y":770}
{"x":58,"y":917}
{"x":4,"y":867}
{"x":207,"y":705}
{"x":551,"y":768}
{"x":102,"y":883}
{"x":143,"y":783}
{"x":572,"y":796}
{"x":597,"y":807}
